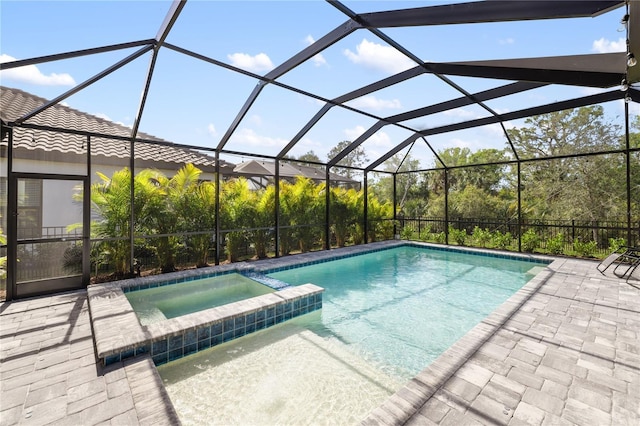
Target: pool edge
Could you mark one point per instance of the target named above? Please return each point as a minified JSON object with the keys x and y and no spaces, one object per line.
{"x":118,"y":335}
{"x":434,"y":376}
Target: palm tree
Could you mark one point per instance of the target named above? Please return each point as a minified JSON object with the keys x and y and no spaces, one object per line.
{"x":169,"y":209}
{"x":195,"y":208}
{"x":287,"y":202}
{"x":377,"y":215}
{"x":111,"y":201}
{"x":236,"y":211}
{"x":343,"y":213}
{"x":305,"y":208}
{"x":264,"y":201}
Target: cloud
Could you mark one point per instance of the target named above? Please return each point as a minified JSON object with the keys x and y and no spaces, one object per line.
{"x":461,"y":143}
{"x":507,"y":40}
{"x":379,"y":138}
{"x":305,"y":145}
{"x":461,"y":112}
{"x":211,"y":129}
{"x":373,"y":103}
{"x":32,"y":75}
{"x":250,"y":137}
{"x":607,"y":46}
{"x":588,"y":91}
{"x":354,"y":133}
{"x":377,"y":56}
{"x":257,"y":63}
{"x":255,"y":119}
{"x":103,"y":116}
{"x":318,"y":60}
{"x":106,"y":117}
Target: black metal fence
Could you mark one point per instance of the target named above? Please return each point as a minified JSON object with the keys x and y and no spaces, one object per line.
{"x":569,"y":237}
{"x":548,"y":236}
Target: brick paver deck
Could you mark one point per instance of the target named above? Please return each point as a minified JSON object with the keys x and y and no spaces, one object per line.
{"x":49,"y":374}
{"x":564,"y":350}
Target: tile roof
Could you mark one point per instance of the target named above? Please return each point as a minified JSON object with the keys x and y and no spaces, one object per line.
{"x":15,"y":103}
{"x":267,"y":168}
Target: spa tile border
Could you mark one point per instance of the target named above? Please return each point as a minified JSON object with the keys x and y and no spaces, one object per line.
{"x":119,"y":336}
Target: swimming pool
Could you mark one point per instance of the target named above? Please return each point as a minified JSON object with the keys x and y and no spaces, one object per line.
{"x":393,"y":310}
{"x":401,"y":308}
{"x":160,"y":303}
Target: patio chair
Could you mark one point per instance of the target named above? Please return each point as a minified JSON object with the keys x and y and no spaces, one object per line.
{"x":634,"y":272}
{"x":628,"y":264}
{"x":624,"y":255}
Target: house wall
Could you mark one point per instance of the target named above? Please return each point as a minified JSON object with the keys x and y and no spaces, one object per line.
{"x":57,"y":195}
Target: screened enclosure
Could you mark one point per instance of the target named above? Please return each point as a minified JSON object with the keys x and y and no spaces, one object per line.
{"x":203,"y":132}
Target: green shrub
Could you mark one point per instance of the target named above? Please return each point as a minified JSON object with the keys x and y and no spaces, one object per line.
{"x":616,"y":243}
{"x":458,"y":235}
{"x":585,"y":249}
{"x":406,"y":233}
{"x":425,"y":233}
{"x":555,"y":245}
{"x":481,"y":236}
{"x":530,"y":241}
{"x":440,"y":237}
{"x":500,"y":240}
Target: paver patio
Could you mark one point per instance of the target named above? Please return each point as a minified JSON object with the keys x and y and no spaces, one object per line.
{"x":564,"y":350}
{"x":49,"y":373}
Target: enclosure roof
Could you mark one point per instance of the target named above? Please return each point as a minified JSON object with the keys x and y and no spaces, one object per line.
{"x":388,"y":77}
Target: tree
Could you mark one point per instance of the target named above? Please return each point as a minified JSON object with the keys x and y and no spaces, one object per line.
{"x":236,"y":211}
{"x":196,"y":208}
{"x":585,"y":188}
{"x":355,"y":158}
{"x":263,"y":219}
{"x":303,"y":205}
{"x":111,"y":201}
{"x":343,"y":207}
{"x":407,"y":184}
{"x":170,"y":208}
{"x":378,"y":224}
{"x":309,"y":156}
{"x":474,"y":191}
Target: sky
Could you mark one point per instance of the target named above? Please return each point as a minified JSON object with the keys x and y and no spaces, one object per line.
{"x":194,"y":102}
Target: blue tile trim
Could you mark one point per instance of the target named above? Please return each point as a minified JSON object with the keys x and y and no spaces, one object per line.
{"x":176,"y":346}
{"x":152,"y":282}
{"x":375,"y":250}
{"x":261,"y":276}
{"x":458,"y":249}
{"x":263,"y":279}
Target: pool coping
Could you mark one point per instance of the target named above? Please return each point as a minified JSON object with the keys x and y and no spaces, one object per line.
{"x":435,"y":375}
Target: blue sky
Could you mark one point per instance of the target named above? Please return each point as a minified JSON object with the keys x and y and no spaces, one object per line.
{"x":194,"y":103}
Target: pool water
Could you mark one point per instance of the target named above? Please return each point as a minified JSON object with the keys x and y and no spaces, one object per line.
{"x":286,"y":375}
{"x":401,"y":308}
{"x":169,"y":301}
{"x":386,"y":315}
